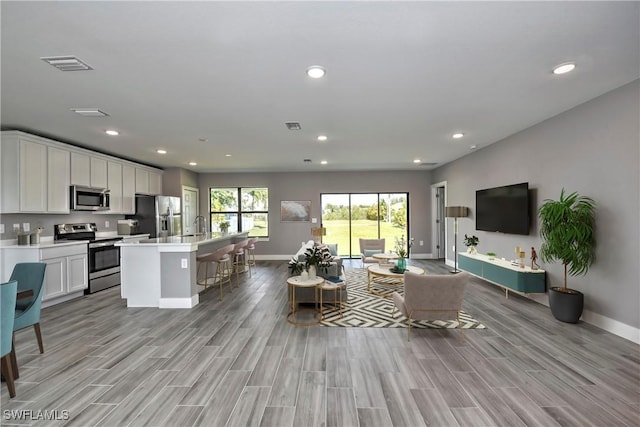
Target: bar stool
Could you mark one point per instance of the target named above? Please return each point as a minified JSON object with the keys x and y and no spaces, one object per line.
{"x":251,"y":252}
{"x":222,"y":272}
{"x":239,"y":259}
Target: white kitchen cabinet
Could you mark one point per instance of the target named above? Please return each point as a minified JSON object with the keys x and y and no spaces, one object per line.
{"x":77,"y":277}
{"x":33,"y":176}
{"x":55,"y":278}
{"x":142,"y":181}
{"x":128,"y":189}
{"x":67,"y":271}
{"x":88,"y":171}
{"x":80,"y":169}
{"x":58,"y":180}
{"x":114,"y":184}
{"x":155,"y":183}
{"x":99,"y":173}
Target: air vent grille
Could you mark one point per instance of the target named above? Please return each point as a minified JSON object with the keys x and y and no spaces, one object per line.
{"x":428,"y":164}
{"x":67,"y":63}
{"x":89,"y":112}
{"x":293,"y":125}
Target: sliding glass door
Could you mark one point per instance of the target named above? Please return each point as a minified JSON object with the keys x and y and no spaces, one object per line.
{"x":349,"y":217}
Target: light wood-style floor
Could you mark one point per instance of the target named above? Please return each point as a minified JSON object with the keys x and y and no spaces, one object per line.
{"x":238,"y":362}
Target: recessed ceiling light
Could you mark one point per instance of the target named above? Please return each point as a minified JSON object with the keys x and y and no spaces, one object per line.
{"x":564,"y":68}
{"x":112,"y":132}
{"x":316,"y":72}
{"x":322,"y":138}
{"x":161,"y":151}
{"x":203,"y":139}
{"x":324,"y":162}
{"x":227,"y":155}
{"x":417,"y":160}
{"x":193,"y":164}
{"x":473,"y":147}
{"x":457,"y":135}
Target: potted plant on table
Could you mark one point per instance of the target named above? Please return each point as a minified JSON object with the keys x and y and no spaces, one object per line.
{"x":402,"y":250}
{"x":471,"y":242}
{"x":567,"y":229}
{"x":224,"y":226}
{"x":314,"y":258}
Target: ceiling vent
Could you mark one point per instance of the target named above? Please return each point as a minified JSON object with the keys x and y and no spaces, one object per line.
{"x":89,"y":112}
{"x":293,"y":126}
{"x":428,"y":164}
{"x":307,"y":160}
{"x":67,"y":63}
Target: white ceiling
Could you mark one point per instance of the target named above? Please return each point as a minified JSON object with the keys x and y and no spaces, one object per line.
{"x":401,"y":77}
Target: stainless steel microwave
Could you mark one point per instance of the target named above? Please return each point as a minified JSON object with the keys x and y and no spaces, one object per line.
{"x":89,"y":199}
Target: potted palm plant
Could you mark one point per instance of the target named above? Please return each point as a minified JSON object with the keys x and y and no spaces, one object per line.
{"x":567,"y":229}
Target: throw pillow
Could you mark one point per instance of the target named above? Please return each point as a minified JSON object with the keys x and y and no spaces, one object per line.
{"x":370,"y":252}
{"x":333,"y":248}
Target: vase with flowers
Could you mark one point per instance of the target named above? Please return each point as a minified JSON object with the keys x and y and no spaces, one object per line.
{"x":471,"y":242}
{"x":402,"y":250}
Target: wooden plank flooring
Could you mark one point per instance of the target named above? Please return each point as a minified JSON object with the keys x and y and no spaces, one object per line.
{"x":239,"y":363}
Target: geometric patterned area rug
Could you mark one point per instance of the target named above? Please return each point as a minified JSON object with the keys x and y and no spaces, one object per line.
{"x":365,"y":310}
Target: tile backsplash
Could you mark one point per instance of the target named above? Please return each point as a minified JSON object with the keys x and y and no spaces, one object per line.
{"x":47,"y":221}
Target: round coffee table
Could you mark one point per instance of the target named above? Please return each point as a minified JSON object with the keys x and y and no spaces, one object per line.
{"x":295,"y":282}
{"x":383,"y":275}
{"x":385,"y":258}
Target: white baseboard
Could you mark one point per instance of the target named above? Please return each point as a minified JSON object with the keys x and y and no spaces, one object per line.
{"x":179,"y":302}
{"x":421,"y":256}
{"x":611,"y":325}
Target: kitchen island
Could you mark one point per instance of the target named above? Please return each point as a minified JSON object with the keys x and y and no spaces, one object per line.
{"x":161,"y":272}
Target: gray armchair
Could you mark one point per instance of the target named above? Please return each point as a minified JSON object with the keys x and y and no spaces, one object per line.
{"x":429,"y":297}
{"x":368,"y":247}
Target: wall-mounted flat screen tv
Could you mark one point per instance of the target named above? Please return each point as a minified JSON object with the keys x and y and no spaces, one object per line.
{"x":503,"y":209}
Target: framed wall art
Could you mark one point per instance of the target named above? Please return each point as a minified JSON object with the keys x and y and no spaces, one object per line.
{"x":295,"y":210}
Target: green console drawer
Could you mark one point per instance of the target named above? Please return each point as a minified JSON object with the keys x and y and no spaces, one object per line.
{"x":471,"y":265}
{"x":516,"y":280}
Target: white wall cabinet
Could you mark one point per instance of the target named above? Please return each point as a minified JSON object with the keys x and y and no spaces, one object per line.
{"x":155,"y":183}
{"x":98,"y":173}
{"x":34,"y":176}
{"x":114,"y":184}
{"x":80,"y":169}
{"x":58,"y":180}
{"x":142,"y":181}
{"x":128,"y":189}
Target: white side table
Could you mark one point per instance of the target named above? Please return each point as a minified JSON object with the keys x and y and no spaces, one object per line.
{"x":295,"y":282}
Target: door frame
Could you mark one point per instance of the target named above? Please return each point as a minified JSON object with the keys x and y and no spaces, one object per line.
{"x":435,"y":229}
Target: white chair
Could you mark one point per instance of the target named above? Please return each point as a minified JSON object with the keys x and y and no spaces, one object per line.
{"x":368,"y":247}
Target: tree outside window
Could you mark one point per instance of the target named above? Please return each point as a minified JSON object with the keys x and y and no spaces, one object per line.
{"x":246,"y":209}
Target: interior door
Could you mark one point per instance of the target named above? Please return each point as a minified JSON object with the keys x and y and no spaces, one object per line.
{"x":190,"y":209}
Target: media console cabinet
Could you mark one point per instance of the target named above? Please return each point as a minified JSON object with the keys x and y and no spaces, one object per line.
{"x":503,"y":273}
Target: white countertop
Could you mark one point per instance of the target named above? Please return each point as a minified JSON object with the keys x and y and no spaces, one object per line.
{"x":185,"y":243}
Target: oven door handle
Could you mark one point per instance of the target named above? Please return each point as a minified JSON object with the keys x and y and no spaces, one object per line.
{"x":100,"y":245}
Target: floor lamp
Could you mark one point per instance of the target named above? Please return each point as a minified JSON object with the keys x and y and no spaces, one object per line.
{"x":456,"y":212}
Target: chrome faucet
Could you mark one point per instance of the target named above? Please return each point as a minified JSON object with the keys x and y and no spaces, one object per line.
{"x":201,"y":224}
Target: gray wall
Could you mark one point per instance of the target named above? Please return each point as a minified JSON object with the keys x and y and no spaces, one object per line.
{"x":285,"y":238}
{"x":592,"y":149}
{"x":174,"y":178}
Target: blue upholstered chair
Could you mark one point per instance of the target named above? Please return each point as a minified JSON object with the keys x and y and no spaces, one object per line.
{"x":8,"y":293}
{"x":30,"y":276}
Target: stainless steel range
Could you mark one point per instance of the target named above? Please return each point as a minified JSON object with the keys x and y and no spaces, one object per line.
{"x":104,"y":256}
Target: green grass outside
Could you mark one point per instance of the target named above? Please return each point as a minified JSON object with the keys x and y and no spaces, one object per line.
{"x":338,"y":232}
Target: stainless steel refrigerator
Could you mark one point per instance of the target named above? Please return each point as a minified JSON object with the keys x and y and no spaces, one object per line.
{"x":160,"y":216}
